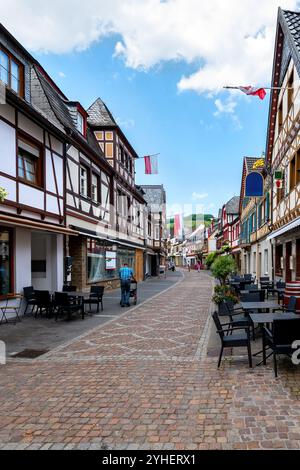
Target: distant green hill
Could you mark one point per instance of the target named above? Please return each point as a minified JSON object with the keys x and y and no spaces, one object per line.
{"x":188,"y":221}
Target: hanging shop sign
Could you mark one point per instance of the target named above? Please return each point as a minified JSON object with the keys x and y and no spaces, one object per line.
{"x":254,"y":185}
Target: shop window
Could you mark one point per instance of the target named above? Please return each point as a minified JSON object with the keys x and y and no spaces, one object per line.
{"x":6,"y":261}
{"x":29,"y":162}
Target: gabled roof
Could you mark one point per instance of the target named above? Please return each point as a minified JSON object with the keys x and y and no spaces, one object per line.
{"x":154,"y":194}
{"x":232,"y":206}
{"x":287,"y":47}
{"x":53,"y":106}
{"x":100,"y":115}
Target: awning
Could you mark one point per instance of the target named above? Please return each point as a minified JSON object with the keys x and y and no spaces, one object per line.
{"x":236,"y":250}
{"x":112,"y":241}
{"x":285,"y":229}
{"x":35,"y":225}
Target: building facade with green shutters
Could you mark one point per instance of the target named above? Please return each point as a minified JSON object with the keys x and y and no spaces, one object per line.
{"x":256,"y":255}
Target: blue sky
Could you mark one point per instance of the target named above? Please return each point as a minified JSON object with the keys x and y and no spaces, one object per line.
{"x":160,"y":66}
{"x":200,"y":152}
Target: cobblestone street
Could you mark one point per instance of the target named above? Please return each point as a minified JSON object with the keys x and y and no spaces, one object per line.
{"x":144,"y":381}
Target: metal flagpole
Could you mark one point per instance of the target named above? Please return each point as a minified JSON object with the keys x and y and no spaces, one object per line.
{"x":265,"y":88}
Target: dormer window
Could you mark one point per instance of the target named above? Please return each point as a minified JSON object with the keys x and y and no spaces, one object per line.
{"x":11,"y":72}
{"x":80,"y":123}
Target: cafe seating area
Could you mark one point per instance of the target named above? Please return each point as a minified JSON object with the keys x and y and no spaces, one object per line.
{"x":264,"y":321}
{"x":61,"y":305}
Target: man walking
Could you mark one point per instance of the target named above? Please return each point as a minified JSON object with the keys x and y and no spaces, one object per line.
{"x":125,"y":274}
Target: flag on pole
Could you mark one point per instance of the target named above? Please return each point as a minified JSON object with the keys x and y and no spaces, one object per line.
{"x":151,"y":165}
{"x":250,"y":90}
{"x":178,"y":226}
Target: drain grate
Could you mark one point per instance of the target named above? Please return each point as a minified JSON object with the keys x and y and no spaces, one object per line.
{"x":30,"y":353}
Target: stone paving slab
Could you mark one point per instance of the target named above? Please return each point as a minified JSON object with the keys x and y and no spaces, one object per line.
{"x":123,"y":386}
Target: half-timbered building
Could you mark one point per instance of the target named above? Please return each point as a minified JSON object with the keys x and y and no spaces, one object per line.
{"x":32,"y":218}
{"x":283,"y":147}
{"x":69,"y":194}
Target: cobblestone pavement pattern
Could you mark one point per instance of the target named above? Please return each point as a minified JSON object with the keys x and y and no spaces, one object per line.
{"x":144,"y":381}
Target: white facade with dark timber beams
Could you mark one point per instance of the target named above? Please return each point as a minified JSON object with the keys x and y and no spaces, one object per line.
{"x":32,"y":218}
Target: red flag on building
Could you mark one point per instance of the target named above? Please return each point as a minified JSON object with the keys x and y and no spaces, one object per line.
{"x":178,"y":226}
{"x":250,"y":90}
{"x":151,"y":165}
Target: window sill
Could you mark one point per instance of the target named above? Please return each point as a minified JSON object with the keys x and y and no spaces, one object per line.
{"x":28,"y":183}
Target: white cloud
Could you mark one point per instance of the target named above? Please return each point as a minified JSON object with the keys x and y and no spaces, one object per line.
{"x":62,"y":74}
{"x":232,"y":39}
{"x":126,"y":123}
{"x":227,"y":107}
{"x":199,"y":196}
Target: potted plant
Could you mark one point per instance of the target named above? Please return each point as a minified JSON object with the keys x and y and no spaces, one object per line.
{"x":223,"y":294}
{"x":211,"y":259}
{"x":3,"y":194}
{"x":222,"y":267}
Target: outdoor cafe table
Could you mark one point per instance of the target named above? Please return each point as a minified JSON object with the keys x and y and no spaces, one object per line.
{"x":266,"y":305}
{"x":79,"y":295}
{"x":268,"y":319}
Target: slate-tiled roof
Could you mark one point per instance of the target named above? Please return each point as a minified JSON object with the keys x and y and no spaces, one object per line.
{"x":154,"y":194}
{"x":100,"y":115}
{"x":232,"y":206}
{"x":293,"y":21}
{"x":250,"y":162}
{"x":54,"y":107}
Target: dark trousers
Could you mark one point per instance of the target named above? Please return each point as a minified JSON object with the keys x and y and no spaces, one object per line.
{"x":125,"y":292}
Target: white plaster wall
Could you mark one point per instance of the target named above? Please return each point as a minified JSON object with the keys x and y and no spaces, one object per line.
{"x":50,"y":181}
{"x":7,"y":149}
{"x":31,"y":197}
{"x":8,"y":112}
{"x":22,"y":259}
{"x":54,"y":258}
{"x":52,"y":204}
{"x":30,"y":127}
{"x":10,"y":187}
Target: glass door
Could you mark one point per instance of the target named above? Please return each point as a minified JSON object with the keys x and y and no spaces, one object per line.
{"x":5,"y":261}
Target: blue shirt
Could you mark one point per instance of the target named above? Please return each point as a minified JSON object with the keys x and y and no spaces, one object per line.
{"x":125,"y":273}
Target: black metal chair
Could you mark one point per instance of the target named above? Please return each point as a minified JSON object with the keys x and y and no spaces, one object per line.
{"x":285,"y":331}
{"x":251,"y":297}
{"x":291,"y":307}
{"x":233,"y":340}
{"x":67,"y":288}
{"x":30,"y":298}
{"x":237,"y":317}
{"x":64,"y":305}
{"x":251,"y":287}
{"x":43,"y":303}
{"x":95,"y":297}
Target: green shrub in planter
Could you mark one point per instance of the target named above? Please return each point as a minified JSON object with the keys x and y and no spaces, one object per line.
{"x":223,"y":293}
{"x":3,"y":194}
{"x":222,"y":267}
{"x":210,"y":259}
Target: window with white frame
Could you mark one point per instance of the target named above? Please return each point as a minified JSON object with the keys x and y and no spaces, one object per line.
{"x":83,"y":182}
{"x":80,"y":123}
{"x":95,"y":188}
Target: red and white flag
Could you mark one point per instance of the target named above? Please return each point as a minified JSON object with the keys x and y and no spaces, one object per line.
{"x":151,"y":165}
{"x":250,"y":90}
